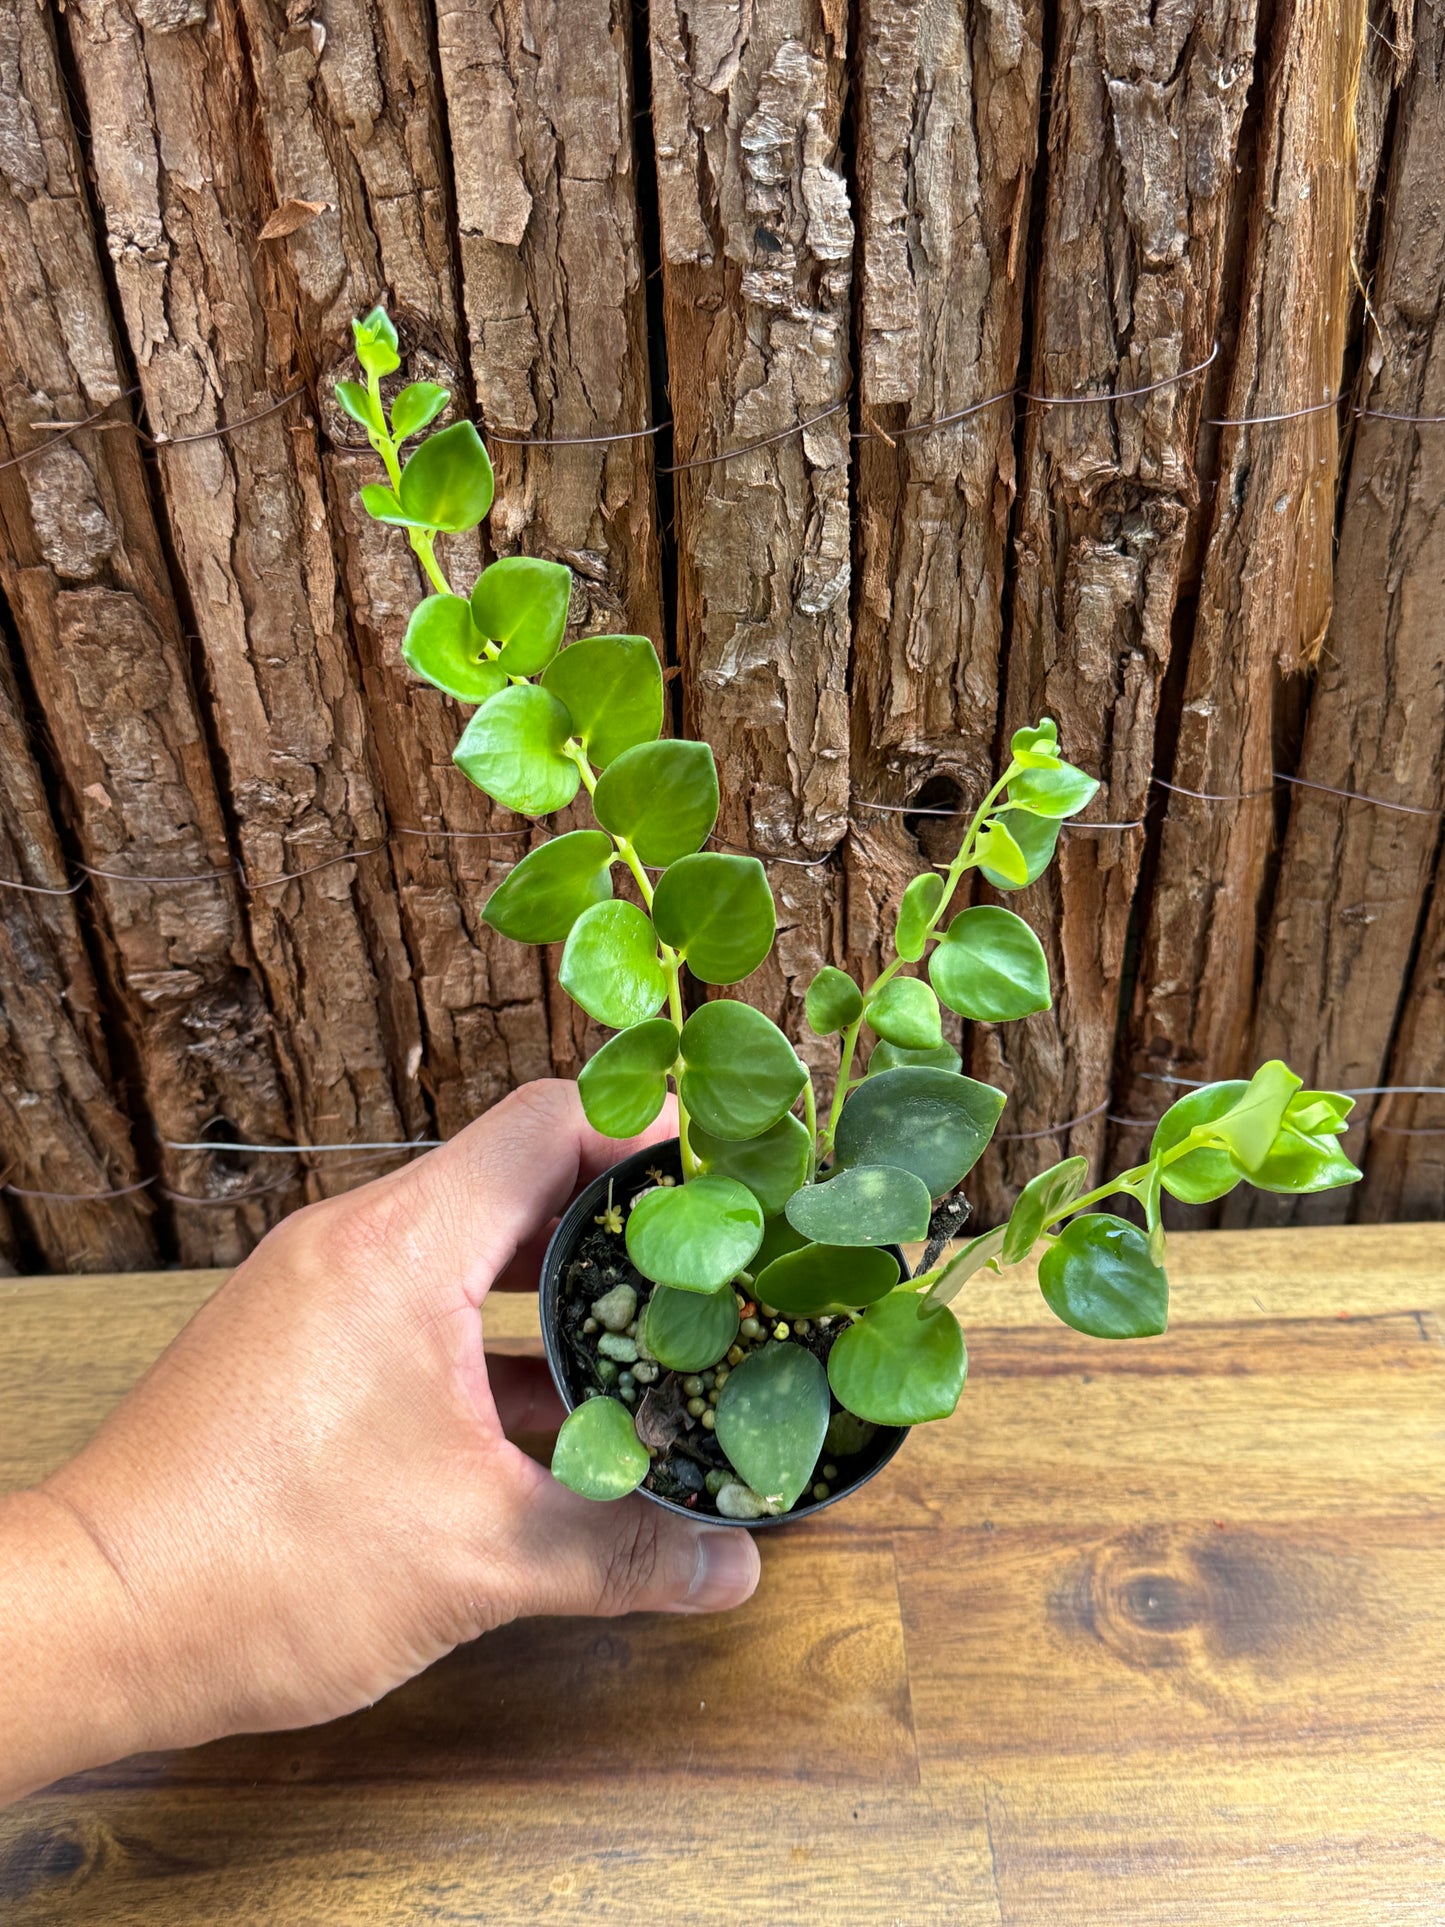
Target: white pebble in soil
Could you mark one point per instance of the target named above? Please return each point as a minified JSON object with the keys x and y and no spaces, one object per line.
{"x":616,"y":1309}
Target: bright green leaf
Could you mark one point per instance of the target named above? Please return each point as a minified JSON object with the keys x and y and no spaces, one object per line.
{"x":1319,"y":1113}
{"x":1301,"y":1163}
{"x":447,"y":483}
{"x":933,"y":1123}
{"x":689,"y":1331}
{"x":361,"y":405}
{"x":1036,"y":748}
{"x":813,"y":1279}
{"x":868,"y":1204}
{"x":889,"y":1057}
{"x":381,"y":505}
{"x":696,"y":1236}
{"x":833,"y":1001}
{"x":997,"y":854}
{"x":1100,"y":1279}
{"x":772,"y":1166}
{"x":990,"y":966}
{"x":1035,"y":837}
{"x":416,"y":408}
{"x":717,"y":912}
{"x":598,"y":1452}
{"x":521,"y":602}
{"x":771,"y":1417}
{"x":915,"y":914}
{"x":441,"y":645}
{"x":612,"y":685}
{"x":1062,"y":791}
{"x":662,"y":797}
{"x":740,"y":1072}
{"x":895,"y":1368}
{"x":979,"y":1252}
{"x":1204,"y":1174}
{"x":512,"y":749}
{"x":1249,"y":1127}
{"x":624,"y":1084}
{"x":905,"y":1012}
{"x":1040,"y":1201}
{"x":549,"y":889}
{"x":610,"y":965}
{"x":376,"y":343}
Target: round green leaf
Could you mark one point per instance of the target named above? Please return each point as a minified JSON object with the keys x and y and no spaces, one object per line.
{"x":447,"y":483}
{"x":889,"y":1057}
{"x":933,"y":1123}
{"x":870,"y":1204}
{"x":441,"y":645}
{"x":612,"y":686}
{"x":1058,"y":791}
{"x":1208,"y":1173}
{"x":610,"y":965}
{"x":990,"y":966}
{"x":598,"y":1452}
{"x":512,"y":749}
{"x":550,"y":888}
{"x":376,"y":343}
{"x":361,"y":405}
{"x":772,"y":1166}
{"x":740,"y":1073}
{"x":779,"y":1238}
{"x":1035,"y":838}
{"x":696,"y":1236}
{"x":1100,"y":1279}
{"x":825,"y":1278}
{"x":895,"y":1368}
{"x":833,"y":1001}
{"x":416,"y":408}
{"x":623,"y":1085}
{"x":915,"y":913}
{"x":662,"y":797}
{"x":717,"y":912}
{"x":1037,"y":1203}
{"x":688,"y":1331}
{"x":521,"y":602}
{"x":771,"y":1417}
{"x":905,"y":1012}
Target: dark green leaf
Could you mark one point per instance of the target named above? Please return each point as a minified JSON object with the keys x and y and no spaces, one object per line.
{"x":441,"y":645}
{"x":416,"y":408}
{"x":512,"y":749}
{"x":1204,"y":1174}
{"x":869,"y":1204}
{"x":980,"y":1252}
{"x":896,"y":1368}
{"x":771,"y":1166}
{"x":1100,"y":1279}
{"x":361,"y":405}
{"x":624,"y":1084}
{"x":779,"y":1238}
{"x":689,"y":1331}
{"x":521,"y":602}
{"x":889,"y":1057}
{"x":813,"y":1279}
{"x":990,"y":966}
{"x":717,"y":912}
{"x":662,"y":797}
{"x":613,"y":687}
{"x":833,"y":1001}
{"x":915,"y":914}
{"x":696,"y":1236}
{"x":997,"y":854}
{"x":771,"y":1417}
{"x":1036,"y":748}
{"x":1035,"y":837}
{"x":1251,"y":1124}
{"x":376,"y":343}
{"x":933,"y":1123}
{"x":598,"y":1452}
{"x":905,"y":1012}
{"x":610,"y":965}
{"x":1062,"y":791}
{"x":447,"y":483}
{"x":1041,"y":1199}
{"x":741,"y":1073}
{"x":550,"y":888}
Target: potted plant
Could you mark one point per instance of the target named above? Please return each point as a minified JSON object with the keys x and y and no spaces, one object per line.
{"x":728,"y":1318}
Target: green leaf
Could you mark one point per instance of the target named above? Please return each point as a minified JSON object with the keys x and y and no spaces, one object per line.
{"x":1251,"y":1124}
{"x":1204,"y":1174}
{"x":915,"y":914}
{"x":1100,"y":1279}
{"x":717,"y":912}
{"x":779,"y":1238}
{"x":895,"y":1368}
{"x":1041,"y":1199}
{"x":512,"y":749}
{"x":905,"y":1012}
{"x":361,"y":405}
{"x":1319,"y":1112}
{"x":376,"y":343}
{"x":447,"y":483}
{"x":598,"y":1452}
{"x":382,"y":505}
{"x":833,"y":1001}
{"x":978,"y":1253}
{"x":933,"y":1123}
{"x":890,"y":1057}
{"x":441,"y":645}
{"x":550,"y":888}
{"x":869,"y":1204}
{"x":689,"y":1331}
{"x":1036,"y":748}
{"x":998,"y":855}
{"x":1035,"y":837}
{"x":1061,"y":791}
{"x":740,"y":1073}
{"x":772,"y":1166}
{"x":624,"y":1084}
{"x":662,"y":797}
{"x":613,"y":687}
{"x":696,"y":1236}
{"x":1299,"y":1163}
{"x":416,"y":408}
{"x":610,"y":965}
{"x":521,"y":602}
{"x":813,"y":1279}
{"x":771,"y":1417}
{"x":990,"y":966}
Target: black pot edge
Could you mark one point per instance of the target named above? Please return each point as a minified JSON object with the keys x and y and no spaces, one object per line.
{"x":622,"y":1177}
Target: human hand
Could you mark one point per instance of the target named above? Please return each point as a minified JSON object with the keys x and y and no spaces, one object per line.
{"x":310,"y":1496}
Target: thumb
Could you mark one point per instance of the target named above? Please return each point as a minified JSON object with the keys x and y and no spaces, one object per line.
{"x":575,"y":1555}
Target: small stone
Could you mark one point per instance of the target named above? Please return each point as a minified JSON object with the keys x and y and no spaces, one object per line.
{"x":721,"y":1377}
{"x":709,"y":1418}
{"x":801,"y":1327}
{"x":717,"y":1480}
{"x":696,"y":1407}
{"x":821,"y":1489}
{"x":709,"y":1379}
{"x":687,"y":1473}
{"x":846,"y":1435}
{"x":768,"y":1311}
{"x":692,"y":1385}
{"x":619,"y":1346}
{"x":735,"y":1501}
{"x":750,"y":1328}
{"x":780,"y":1330}
{"x":645,"y":1371}
{"x":631,"y":1328}
{"x":626,"y":1383}
{"x":736,"y":1355}
{"x":589,"y":1325}
{"x":628,"y":1395}
{"x":607,"y":1371}
{"x":713,"y":1396}
{"x":830,"y":1471}
{"x":616,"y":1309}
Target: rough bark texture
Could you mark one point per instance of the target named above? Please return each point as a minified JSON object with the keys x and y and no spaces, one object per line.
{"x":1405,"y":1169}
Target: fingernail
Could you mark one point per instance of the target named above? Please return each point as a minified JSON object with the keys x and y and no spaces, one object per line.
{"x":727,"y":1572}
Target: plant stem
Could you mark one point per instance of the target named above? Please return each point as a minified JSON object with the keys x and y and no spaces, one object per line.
{"x":840,"y":1090}
{"x":423,"y":541}
{"x":810,"y":1119}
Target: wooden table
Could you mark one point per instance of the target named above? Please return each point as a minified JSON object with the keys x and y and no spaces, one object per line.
{"x":1149,"y":1633}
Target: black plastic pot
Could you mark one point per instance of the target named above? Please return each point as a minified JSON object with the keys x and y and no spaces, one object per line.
{"x":624,"y":1179}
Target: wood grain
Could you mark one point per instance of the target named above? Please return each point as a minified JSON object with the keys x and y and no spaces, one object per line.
{"x":1147,"y":1632}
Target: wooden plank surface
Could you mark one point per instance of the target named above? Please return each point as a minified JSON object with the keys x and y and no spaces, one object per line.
{"x":1148,"y":1634}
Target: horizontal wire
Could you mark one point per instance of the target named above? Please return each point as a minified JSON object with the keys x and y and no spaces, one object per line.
{"x":292,"y":1150}
{"x":765,"y":441}
{"x":573,"y":441}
